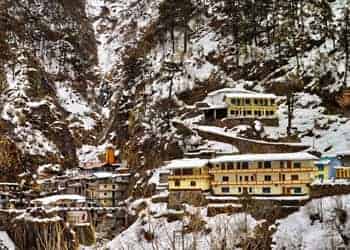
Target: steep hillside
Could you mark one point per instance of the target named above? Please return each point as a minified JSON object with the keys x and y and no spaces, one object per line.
{"x":48,"y":80}
{"x":170,"y":54}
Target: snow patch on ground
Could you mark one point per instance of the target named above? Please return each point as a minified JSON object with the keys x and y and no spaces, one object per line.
{"x":298,"y":232}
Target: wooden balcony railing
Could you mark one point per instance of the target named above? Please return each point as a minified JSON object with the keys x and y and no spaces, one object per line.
{"x":252,"y":183}
{"x":263,"y":170}
{"x":184,"y":177}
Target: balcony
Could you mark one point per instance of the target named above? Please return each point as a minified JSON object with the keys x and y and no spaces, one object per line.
{"x":255,"y":183}
{"x":263,"y":170}
{"x":186,"y":177}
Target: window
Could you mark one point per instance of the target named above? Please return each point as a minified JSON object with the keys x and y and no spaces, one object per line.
{"x":320,"y":167}
{"x":256,"y":113}
{"x":252,"y":178}
{"x":294,"y":177}
{"x":249,"y":112}
{"x":233,"y":101}
{"x":267,"y":164}
{"x":239,"y":190}
{"x":245,"y":165}
{"x":223,"y":166}
{"x":297,"y":190}
{"x":233,"y":112}
{"x":281,"y":164}
{"x":238,"y":165}
{"x":177,"y":172}
{"x":240,"y":178}
{"x":225,"y":189}
{"x":105,"y":186}
{"x":187,"y":171}
{"x":272,"y":101}
{"x":230,"y":165}
{"x":250,"y":190}
{"x":256,"y":102}
{"x":105,"y":194}
{"x":267,"y":178}
{"x":297,"y":165}
{"x":266,"y":190}
{"x":193,"y":183}
{"x":265,"y":102}
{"x":260,"y":164}
{"x":225,"y":178}
{"x":246,"y":178}
{"x":177,"y":183}
{"x":113,"y":186}
{"x":247,"y":101}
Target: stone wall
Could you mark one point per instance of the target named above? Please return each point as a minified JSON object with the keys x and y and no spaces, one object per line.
{"x":253,"y":146}
{"x":318,"y":191}
{"x":177,"y":198}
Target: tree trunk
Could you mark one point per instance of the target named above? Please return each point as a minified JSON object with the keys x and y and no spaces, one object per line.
{"x":290,"y":103}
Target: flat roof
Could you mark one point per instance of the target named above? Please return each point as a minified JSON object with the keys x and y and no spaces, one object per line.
{"x":187,"y":163}
{"x":54,"y":198}
{"x":264,"y":157}
{"x":251,"y":95}
{"x":229,"y":90}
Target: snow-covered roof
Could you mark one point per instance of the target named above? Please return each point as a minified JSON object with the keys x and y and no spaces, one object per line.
{"x":55,"y":198}
{"x":223,"y":106}
{"x":187,"y":163}
{"x":229,"y":90}
{"x":345,"y":153}
{"x":251,"y":95}
{"x":101,"y":175}
{"x":323,"y":162}
{"x":9,"y":184}
{"x":6,"y":241}
{"x":265,"y":157}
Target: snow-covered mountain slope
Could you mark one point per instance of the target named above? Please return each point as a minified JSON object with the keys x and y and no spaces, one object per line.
{"x":78,"y":74}
{"x":48,"y":98}
{"x":152,"y":229}
{"x":320,"y":224}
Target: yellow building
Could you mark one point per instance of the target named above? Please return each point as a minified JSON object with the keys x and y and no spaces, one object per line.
{"x":251,"y":105}
{"x":342,"y":172}
{"x":252,"y":174}
{"x":189,"y":174}
{"x":263,"y":174}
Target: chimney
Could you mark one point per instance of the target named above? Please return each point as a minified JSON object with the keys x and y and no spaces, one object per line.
{"x":110,"y":157}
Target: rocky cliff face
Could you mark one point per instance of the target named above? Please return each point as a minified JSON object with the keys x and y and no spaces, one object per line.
{"x":48,"y":79}
{"x":77,"y":74}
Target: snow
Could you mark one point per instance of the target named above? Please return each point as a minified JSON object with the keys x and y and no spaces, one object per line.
{"x":75,"y":104}
{"x":48,"y":167}
{"x":90,"y":153}
{"x":265,"y":157}
{"x":6,"y":241}
{"x":298,"y":232}
{"x":186,"y":163}
{"x":331,"y":133}
{"x":233,"y":134}
{"x":251,"y":95}
{"x":223,"y":227}
{"x":216,"y":98}
{"x":55,"y":198}
{"x":102,"y":175}
{"x":219,"y":147}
